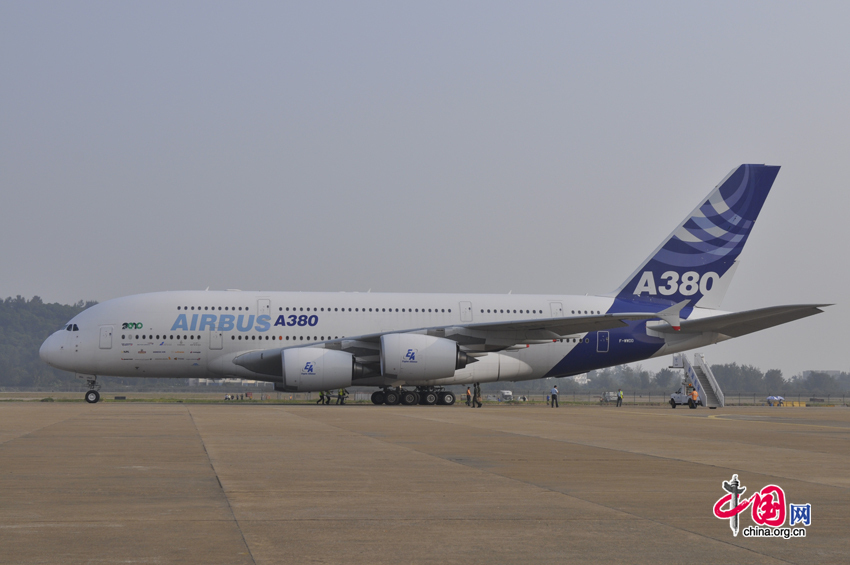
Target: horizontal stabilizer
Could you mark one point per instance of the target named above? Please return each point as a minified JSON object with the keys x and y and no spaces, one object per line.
{"x":743,"y":323}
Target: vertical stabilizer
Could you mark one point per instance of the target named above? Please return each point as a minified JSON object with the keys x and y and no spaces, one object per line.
{"x":696,"y":262}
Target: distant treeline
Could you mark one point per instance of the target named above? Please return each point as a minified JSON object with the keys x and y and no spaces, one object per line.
{"x":25,"y":324}
{"x":731,"y":377}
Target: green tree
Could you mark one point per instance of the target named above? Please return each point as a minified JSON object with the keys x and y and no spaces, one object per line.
{"x":24,"y":325}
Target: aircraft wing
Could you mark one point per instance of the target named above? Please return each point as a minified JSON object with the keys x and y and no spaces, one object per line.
{"x":749,"y":321}
{"x":472,"y":338}
{"x":498,"y":335}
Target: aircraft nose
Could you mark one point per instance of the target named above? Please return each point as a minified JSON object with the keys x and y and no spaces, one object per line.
{"x":47,"y":350}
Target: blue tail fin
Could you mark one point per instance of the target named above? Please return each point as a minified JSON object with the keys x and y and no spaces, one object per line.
{"x":697,"y":260}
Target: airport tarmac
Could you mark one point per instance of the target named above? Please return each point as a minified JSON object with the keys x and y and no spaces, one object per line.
{"x":196,"y":483}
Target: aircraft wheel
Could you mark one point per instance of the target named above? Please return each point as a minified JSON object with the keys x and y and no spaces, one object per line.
{"x":391,"y":398}
{"x":446,"y":398}
{"x":92,"y":397}
{"x":408,"y":398}
{"x":378,"y":397}
{"x":429,"y":398}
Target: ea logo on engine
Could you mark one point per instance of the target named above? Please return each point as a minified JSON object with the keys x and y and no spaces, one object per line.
{"x":308,"y":369}
{"x":410,"y":356}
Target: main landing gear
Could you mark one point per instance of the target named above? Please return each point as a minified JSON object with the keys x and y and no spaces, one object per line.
{"x":92,"y":395}
{"x":426,"y":395}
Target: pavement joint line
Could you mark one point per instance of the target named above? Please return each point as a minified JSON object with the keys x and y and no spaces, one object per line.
{"x":551,"y":490}
{"x":11,"y":439}
{"x":224,"y":494}
{"x":643,"y":454}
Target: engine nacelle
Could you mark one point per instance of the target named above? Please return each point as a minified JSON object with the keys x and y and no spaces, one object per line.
{"x":417,"y":357}
{"x":310,"y":369}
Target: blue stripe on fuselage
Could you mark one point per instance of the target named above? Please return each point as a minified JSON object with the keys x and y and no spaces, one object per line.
{"x":626,"y":345}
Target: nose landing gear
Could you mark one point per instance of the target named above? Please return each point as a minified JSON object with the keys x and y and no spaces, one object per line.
{"x":92,"y":396}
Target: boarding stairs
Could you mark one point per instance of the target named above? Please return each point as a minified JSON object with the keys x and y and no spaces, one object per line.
{"x":700,"y":376}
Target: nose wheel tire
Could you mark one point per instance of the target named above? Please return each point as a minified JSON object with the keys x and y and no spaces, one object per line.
{"x":92,"y":397}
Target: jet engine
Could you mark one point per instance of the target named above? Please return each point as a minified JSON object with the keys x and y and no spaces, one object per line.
{"x":307,"y":369}
{"x":417,"y":357}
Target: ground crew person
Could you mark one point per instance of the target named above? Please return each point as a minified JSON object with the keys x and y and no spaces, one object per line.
{"x":555,"y":396}
{"x":694,"y":400}
{"x":327,"y":397}
{"x":321,"y":398}
{"x":468,"y":397}
{"x":619,"y":398}
{"x":477,"y":396}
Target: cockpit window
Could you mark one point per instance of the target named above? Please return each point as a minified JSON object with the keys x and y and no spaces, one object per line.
{"x":68,"y":328}
{"x":76,"y":329}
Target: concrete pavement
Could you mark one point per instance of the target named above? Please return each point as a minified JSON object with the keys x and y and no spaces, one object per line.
{"x":172,"y":483}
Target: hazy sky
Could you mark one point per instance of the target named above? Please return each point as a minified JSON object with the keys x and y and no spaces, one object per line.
{"x":442,"y":147}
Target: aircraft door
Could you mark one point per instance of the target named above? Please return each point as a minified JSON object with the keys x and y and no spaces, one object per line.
{"x":106,"y":337}
{"x":557,"y":309}
{"x":602,"y":340}
{"x":264,"y":307}
{"x":216,"y":340}
{"x":466,"y":311}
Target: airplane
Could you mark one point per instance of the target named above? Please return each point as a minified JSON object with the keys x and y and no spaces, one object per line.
{"x":411,"y":346}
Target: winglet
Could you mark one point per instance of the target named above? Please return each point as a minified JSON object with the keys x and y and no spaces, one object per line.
{"x":671,"y":315}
